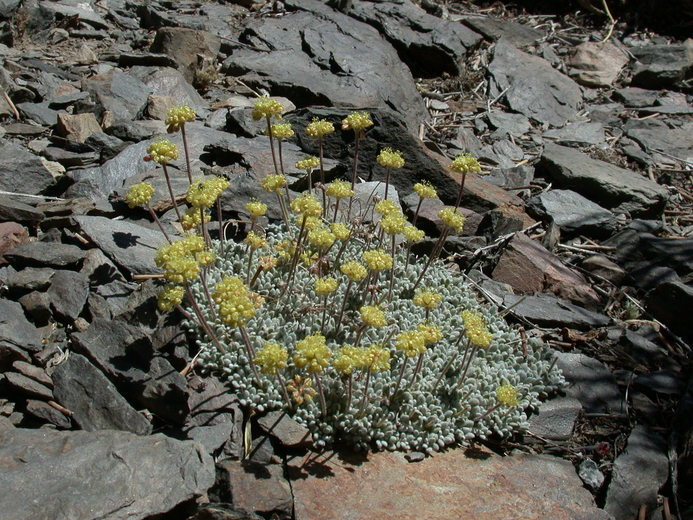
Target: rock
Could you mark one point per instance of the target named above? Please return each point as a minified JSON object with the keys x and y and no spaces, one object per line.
{"x":93,"y":400}
{"x":119,"y":93}
{"x":11,"y":236}
{"x":573,"y":213}
{"x":141,"y":476}
{"x":8,"y":7}
{"x":530,"y":268}
{"x":607,"y":185}
{"x":16,"y":330}
{"x":83,"y":12}
{"x":638,"y":474}
{"x":596,"y":64}
{"x":14,"y":210}
{"x":34,"y":178}
{"x":186,"y":46}
{"x":545,"y":310}
{"x":591,"y":383}
{"x":33,"y":372}
{"x":343,"y":62}
{"x":429,"y":45}
{"x":128,"y":245}
{"x":168,"y":81}
{"x":578,"y":134}
{"x":47,"y":413}
{"x":662,"y":66}
{"x":605,"y":268}
{"x":285,"y":429}
{"x":37,"y":306}
{"x":27,"y":386}
{"x":666,"y":382}
{"x":39,"y":113}
{"x":46,"y":254}
{"x":77,"y":127}
{"x":258,"y":488}
{"x":222,"y":512}
{"x":670,"y":302}
{"x":158,"y":106}
{"x":660,"y":141}
{"x":590,"y":474}
{"x":534,"y":88}
{"x":365,"y":196}
{"x":555,"y":419}
{"x":215,"y":417}
{"x":454,"y":486}
{"x":636,"y":97}
{"x":516,"y":34}
{"x":85,"y":55}
{"x":508,"y":123}
{"x":10,"y":354}
{"x":68,"y":293}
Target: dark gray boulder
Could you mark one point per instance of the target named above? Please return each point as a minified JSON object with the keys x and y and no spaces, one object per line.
{"x":546,"y":310}
{"x":21,"y":171}
{"x":573,"y":213}
{"x":68,"y":294}
{"x":16,"y":330}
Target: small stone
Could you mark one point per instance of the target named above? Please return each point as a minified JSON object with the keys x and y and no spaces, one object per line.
{"x":47,"y":413}
{"x":605,"y":268}
{"x":16,"y":329}
{"x":555,"y":419}
{"x":596,"y":64}
{"x":14,"y":210}
{"x":258,"y":488}
{"x":590,"y":474}
{"x":37,"y":305}
{"x":34,"y":372}
{"x":158,"y":106}
{"x":573,"y":213}
{"x":285,"y":429}
{"x":591,"y":383}
{"x":30,"y":279}
{"x":46,"y":254}
{"x":664,"y":382}
{"x":77,"y":127}
{"x":68,"y":294}
{"x":27,"y":386}
{"x":415,"y":456}
{"x":85,"y":55}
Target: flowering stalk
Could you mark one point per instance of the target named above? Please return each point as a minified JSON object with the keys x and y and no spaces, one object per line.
{"x":158,"y":222}
{"x":321,"y":394}
{"x":250,"y":351}
{"x":344,"y":303}
{"x":170,"y":191}
{"x":364,"y":399}
{"x":416,"y":213}
{"x":187,"y":153}
{"x":285,"y":393}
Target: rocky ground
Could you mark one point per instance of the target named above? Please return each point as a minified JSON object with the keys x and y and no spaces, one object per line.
{"x":579,"y":231}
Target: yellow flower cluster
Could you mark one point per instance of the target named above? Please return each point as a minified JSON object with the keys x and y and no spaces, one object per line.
{"x":285,"y":249}
{"x":340,"y":231}
{"x":311,"y":223}
{"x":255,"y":241}
{"x":312,"y":353}
{"x":162,"y":151}
{"x":324,"y":286}
{"x":373,"y":316}
{"x":307,"y":205}
{"x":452,"y":219}
{"x":139,"y":194}
{"x":390,"y":158}
{"x":266,"y":107}
{"x":273,"y":183}
{"x":349,"y":358}
{"x":178,"y":116}
{"x":268,"y":262}
{"x":476,"y":330}
{"x":308,"y":164}
{"x":376,"y":358}
{"x":339,"y":189}
{"x":411,"y":342}
{"x":181,"y":260}
{"x":357,"y":121}
{"x":169,"y":297}
{"x":427,"y":299}
{"x":507,"y":395}
{"x":431,"y":333}
{"x":301,"y":389}
{"x":319,"y":127}
{"x":204,"y":193}
{"x":354,"y":271}
{"x":236,"y":306}
{"x":256,"y":208}
{"x":412,"y":233}
{"x":282,"y":131}
{"x":393,"y":223}
{"x":377,"y":260}
{"x":425,"y":190}
{"x":192,"y":219}
{"x":386,"y":207}
{"x":465,"y":163}
{"x":321,"y":237}
{"x":271,"y":358}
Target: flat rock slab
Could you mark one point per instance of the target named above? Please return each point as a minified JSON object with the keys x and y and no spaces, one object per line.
{"x":89,"y":475}
{"x":545,"y":310}
{"x":21,"y":171}
{"x":447,"y":485}
{"x":591,"y":383}
{"x":556,"y":419}
{"x":573,"y":213}
{"x":128,"y":245}
{"x":16,"y":330}
{"x":607,"y":185}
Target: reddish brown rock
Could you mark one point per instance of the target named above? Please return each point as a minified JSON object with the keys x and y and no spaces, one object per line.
{"x":255,"y":487}
{"x":530,"y":268}
{"x":11,"y":235}
{"x":447,"y":485}
{"x":77,"y":127}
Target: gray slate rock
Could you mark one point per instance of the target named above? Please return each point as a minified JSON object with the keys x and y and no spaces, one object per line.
{"x":47,"y":413}
{"x":608,"y":185}
{"x":326,"y":59}
{"x":583,"y":133}
{"x":30,"y":279}
{"x":16,"y":330}
{"x":83,"y":11}
{"x":573,"y":213}
{"x":185,"y":45}
{"x":94,"y":401}
{"x":591,"y":383}
{"x":509,"y":123}
{"x":590,"y":474}
{"x":429,"y":45}
{"x":546,"y":310}
{"x":555,"y":419}
{"x":662,"y":66}
{"x":671,"y":302}
{"x":535,"y":88}
{"x":635,"y":97}
{"x":665,"y":382}
{"x":8,"y":7}
{"x":46,"y":254}
{"x":27,"y":386}
{"x":517,"y":34}
{"x":68,"y":294}
{"x":140,"y":477}
{"x":285,"y":429}
{"x":40,"y":113}
{"x":21,"y":171}
{"x":14,"y":210}
{"x":661,"y":141}
{"x":637,"y":474}
{"x":122,"y":94}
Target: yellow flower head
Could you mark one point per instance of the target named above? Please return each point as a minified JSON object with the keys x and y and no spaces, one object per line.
{"x":204,"y":193}
{"x":376,"y":358}
{"x":377,"y":260}
{"x":271,"y":358}
{"x":162,"y":151}
{"x":266,"y":107}
{"x":411,"y":342}
{"x":321,"y":238}
{"x":236,"y":306}
{"x":256,"y":208}
{"x":427,"y":299}
{"x":319,"y":127}
{"x":139,"y":194}
{"x":452,"y":219}
{"x":205,"y":257}
{"x":169,"y":297}
{"x":177,"y":116}
{"x":387,"y":207}
{"x":373,"y":316}
{"x":308,"y":164}
{"x":178,"y":260}
{"x":393,"y":223}
{"x":339,"y":189}
{"x":255,"y":241}
{"x":465,"y":163}
{"x":301,"y":389}
{"x":354,"y":271}
{"x":307,"y":205}
{"x":507,"y":395}
{"x":324,"y":286}
{"x":425,"y":190}
{"x":310,"y":223}
{"x":340,"y":231}
{"x":192,"y":219}
{"x":413,"y":234}
{"x":268,"y":262}
{"x":273,"y":183}
{"x":390,"y":158}
{"x":431,"y":333}
{"x":348,"y":358}
{"x":312,"y":353}
{"x":282,"y":131}
{"x":476,"y":330}
{"x":357,"y":121}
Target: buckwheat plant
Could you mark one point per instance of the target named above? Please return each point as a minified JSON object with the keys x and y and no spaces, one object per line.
{"x":336,"y":322}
